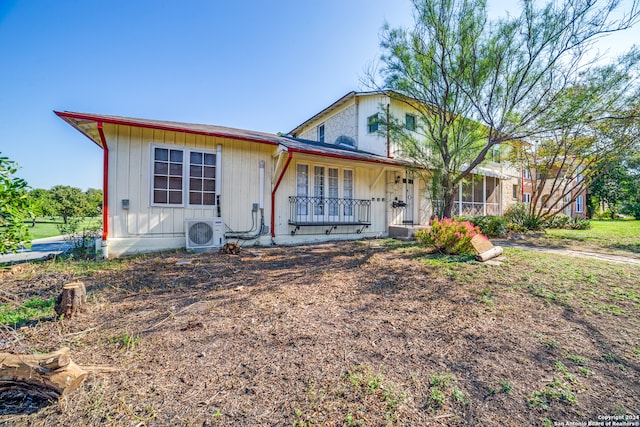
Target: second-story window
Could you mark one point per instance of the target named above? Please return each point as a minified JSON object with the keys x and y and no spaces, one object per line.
{"x":372,"y":123}
{"x":410,"y":122}
{"x":321,"y":133}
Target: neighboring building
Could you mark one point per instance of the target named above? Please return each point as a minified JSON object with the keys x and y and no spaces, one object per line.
{"x":546,"y":197}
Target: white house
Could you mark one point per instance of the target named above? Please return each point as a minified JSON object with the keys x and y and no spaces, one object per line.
{"x":170,"y":185}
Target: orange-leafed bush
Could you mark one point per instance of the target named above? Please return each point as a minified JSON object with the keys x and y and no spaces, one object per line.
{"x":449,"y":236}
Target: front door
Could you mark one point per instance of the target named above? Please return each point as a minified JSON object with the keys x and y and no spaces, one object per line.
{"x":408,"y":191}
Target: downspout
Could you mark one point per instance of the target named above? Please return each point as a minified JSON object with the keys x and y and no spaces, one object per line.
{"x":105,"y":186}
{"x":273,"y":194}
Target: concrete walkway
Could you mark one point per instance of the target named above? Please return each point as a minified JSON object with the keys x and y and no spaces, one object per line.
{"x":41,"y":249}
{"x":581,"y":254}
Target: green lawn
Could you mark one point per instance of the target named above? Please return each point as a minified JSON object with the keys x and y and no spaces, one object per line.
{"x":620,"y":237}
{"x":48,"y":227}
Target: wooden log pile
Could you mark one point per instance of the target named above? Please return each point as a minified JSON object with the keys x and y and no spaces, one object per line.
{"x":50,"y":375}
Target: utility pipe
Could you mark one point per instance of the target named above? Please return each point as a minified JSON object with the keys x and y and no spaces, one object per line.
{"x":105,"y":184}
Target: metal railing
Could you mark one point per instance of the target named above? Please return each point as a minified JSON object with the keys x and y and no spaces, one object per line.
{"x":304,"y":211}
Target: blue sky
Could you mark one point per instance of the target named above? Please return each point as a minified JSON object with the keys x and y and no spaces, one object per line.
{"x":258,"y":65}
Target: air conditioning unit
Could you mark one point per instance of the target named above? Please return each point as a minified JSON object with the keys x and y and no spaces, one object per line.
{"x":204,"y":233}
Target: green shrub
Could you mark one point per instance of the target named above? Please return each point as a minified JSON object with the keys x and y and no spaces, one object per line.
{"x":518,"y":215}
{"x":558,"y":221}
{"x":449,"y":236}
{"x":579,"y":224}
{"x":490,"y":225}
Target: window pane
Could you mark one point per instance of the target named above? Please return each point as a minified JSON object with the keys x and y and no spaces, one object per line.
{"x":195,"y":198}
{"x":161,"y":168}
{"x":175,"y":183}
{"x":302,"y":180}
{"x":159,"y":197}
{"x":160,"y":182}
{"x":175,"y":169}
{"x":209,"y":185}
{"x":208,"y":199}
{"x":466,"y":191}
{"x":195,"y":184}
{"x":209,"y":172}
{"x":176,"y":156}
{"x":175,"y":197}
{"x":477,"y":189}
{"x":196,"y":158}
{"x":195,"y":171}
{"x":410,"y":122}
{"x":210,"y":159}
{"x":161,"y":154}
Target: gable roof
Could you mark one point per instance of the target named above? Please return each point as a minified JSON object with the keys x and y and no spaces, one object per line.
{"x":90,"y":125}
{"x":337,"y":104}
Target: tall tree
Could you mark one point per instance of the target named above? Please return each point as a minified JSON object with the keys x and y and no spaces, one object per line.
{"x":14,"y":208}
{"x":94,"y":202}
{"x":476,"y":84}
{"x":68,"y":201}
{"x":41,"y":203}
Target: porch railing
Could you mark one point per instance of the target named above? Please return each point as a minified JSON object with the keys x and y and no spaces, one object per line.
{"x":310,"y":211}
{"x":475,"y":209}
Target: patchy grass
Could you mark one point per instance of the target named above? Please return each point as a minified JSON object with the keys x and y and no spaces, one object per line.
{"x":33,"y":309}
{"x":365,"y":333}
{"x":621,"y":237}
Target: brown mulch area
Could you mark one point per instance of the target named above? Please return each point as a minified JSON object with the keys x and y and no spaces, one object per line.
{"x":330,"y":334}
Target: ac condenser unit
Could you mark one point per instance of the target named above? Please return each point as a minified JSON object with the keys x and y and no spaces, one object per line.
{"x":204,"y":233}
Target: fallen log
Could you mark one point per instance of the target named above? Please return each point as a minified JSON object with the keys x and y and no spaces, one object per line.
{"x":50,"y":375}
{"x":71,"y":301}
{"x":494,"y":252}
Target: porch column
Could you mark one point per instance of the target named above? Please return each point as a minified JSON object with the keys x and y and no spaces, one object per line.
{"x":460,"y":198}
{"x":484,"y":195}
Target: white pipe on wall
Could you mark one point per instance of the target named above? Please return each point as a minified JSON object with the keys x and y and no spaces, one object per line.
{"x":261,"y":184}
{"x":218,"y":169}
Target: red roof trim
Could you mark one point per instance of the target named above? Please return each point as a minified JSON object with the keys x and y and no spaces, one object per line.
{"x":240,"y":137}
{"x":126,"y":122}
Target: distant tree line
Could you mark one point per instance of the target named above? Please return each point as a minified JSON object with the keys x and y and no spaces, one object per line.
{"x":66,"y":202}
{"x":616,"y":190}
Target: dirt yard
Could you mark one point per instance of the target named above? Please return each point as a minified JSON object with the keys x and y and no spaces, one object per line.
{"x":339,"y":334}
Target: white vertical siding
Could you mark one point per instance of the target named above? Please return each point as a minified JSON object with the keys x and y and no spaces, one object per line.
{"x":145,"y":227}
{"x":375,"y":142}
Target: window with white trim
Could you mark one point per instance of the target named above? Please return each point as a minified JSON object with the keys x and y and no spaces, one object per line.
{"x":410,"y":122}
{"x":330,"y":191}
{"x":527,"y":198}
{"x":321,"y":133}
{"x":372,"y":123}
{"x":302,"y":187}
{"x":526,"y":173}
{"x":183,"y":177}
{"x":579,"y":204}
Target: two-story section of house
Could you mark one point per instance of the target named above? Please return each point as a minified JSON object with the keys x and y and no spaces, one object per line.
{"x":357,"y":120}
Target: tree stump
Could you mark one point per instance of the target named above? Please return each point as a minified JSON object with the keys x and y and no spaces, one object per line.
{"x":71,"y":301}
{"x":50,"y":375}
